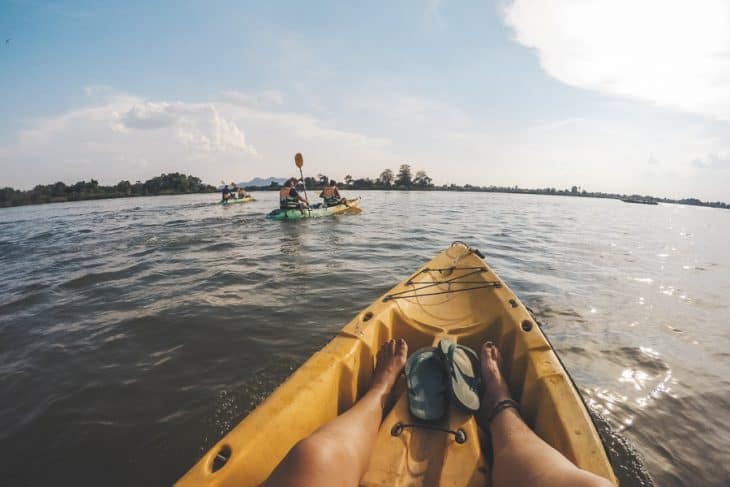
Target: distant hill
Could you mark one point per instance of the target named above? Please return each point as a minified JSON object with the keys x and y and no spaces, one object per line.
{"x":262,"y":182}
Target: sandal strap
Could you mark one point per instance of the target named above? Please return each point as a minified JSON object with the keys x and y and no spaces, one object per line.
{"x":501,"y":406}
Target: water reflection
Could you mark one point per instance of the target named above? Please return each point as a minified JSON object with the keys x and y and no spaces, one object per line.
{"x":641,"y":385}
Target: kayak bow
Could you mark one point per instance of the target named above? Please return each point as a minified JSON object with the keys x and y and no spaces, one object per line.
{"x":455,"y":295}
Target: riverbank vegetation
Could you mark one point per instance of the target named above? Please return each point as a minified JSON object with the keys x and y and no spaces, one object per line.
{"x":402,"y":180}
{"x":405,"y":180}
{"x":174,"y":183}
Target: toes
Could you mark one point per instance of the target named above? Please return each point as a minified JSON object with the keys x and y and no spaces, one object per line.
{"x":385,"y":348}
{"x":401,"y":348}
{"x":490,"y":352}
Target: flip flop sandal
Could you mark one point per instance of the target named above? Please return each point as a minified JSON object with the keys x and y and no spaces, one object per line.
{"x":462,"y":365}
{"x":427,"y":384}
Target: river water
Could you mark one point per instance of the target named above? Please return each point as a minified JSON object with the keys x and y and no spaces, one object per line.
{"x":136,"y":332}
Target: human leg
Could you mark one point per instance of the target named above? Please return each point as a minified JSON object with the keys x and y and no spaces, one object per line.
{"x":339,"y":451}
{"x":520,"y":456}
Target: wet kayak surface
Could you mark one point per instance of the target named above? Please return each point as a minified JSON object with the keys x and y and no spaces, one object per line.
{"x":134,"y":333}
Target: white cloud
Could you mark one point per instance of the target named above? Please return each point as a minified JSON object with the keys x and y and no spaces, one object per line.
{"x":238,"y":136}
{"x":123,"y":136}
{"x":674,"y":53}
{"x":712,"y":161}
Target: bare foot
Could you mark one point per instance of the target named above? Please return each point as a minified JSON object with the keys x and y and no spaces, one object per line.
{"x":495,"y":388}
{"x":388,"y":364}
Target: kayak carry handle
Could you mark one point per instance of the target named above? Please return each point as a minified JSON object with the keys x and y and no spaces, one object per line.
{"x":459,"y":435}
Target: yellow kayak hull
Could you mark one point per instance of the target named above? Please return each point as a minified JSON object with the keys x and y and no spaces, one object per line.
{"x":454,"y":295}
{"x":233,"y":201}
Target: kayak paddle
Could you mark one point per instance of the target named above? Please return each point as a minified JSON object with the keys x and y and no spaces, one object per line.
{"x":299,"y":161}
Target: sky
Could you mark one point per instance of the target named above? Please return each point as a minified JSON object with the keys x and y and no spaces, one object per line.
{"x":609,"y":95}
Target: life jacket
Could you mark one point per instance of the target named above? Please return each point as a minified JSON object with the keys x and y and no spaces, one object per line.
{"x":286,"y":200}
{"x":331,"y":196}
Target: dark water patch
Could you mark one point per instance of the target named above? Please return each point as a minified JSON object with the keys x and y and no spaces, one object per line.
{"x":144,"y":252}
{"x":176,"y":223}
{"x":674,"y":461}
{"x":23,"y":302}
{"x":215,"y":247}
{"x":628,"y":464}
{"x":92,"y":278}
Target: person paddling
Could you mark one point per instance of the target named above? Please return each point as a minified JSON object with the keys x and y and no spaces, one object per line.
{"x":242,"y":193}
{"x":332,"y":196}
{"x":225,"y":193}
{"x":289,"y":197}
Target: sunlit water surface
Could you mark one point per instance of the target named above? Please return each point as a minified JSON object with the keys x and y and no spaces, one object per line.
{"x":135,"y":332}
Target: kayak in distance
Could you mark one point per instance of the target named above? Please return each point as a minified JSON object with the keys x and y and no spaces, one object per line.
{"x":455,"y":297}
{"x":233,"y":201}
{"x":640,"y":201}
{"x":316,"y":211}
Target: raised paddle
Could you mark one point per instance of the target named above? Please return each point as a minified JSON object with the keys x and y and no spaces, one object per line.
{"x":299,"y":161}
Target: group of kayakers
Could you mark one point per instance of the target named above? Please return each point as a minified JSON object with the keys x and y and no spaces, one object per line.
{"x":291,"y":196}
{"x":291,"y":199}
{"x":233,"y":192}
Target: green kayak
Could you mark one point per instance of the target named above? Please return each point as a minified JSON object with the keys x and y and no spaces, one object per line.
{"x":315,"y":212}
{"x":234,"y":201}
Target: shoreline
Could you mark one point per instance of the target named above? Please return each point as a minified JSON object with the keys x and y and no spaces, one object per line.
{"x":686,"y":202}
{"x":496,"y":189}
{"x":100,"y":197}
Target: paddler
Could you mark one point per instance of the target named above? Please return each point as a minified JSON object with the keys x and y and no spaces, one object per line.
{"x":242,"y":193}
{"x":331,"y":195}
{"x":289,"y":197}
{"x":225,"y":193}
{"x":234,"y":191}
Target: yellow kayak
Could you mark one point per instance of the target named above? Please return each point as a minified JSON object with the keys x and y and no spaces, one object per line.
{"x":455,"y":295}
{"x":233,"y":201}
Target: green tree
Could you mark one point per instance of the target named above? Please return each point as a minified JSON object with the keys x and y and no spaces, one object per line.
{"x":58,"y":190}
{"x":422,"y":180}
{"x":124,"y":187}
{"x":404,"y":177}
{"x":348,"y":180}
{"x":386,"y":178}
{"x":363,"y":183}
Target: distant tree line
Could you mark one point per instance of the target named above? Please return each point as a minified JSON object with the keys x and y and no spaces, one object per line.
{"x":405,"y":180}
{"x":173,"y":183}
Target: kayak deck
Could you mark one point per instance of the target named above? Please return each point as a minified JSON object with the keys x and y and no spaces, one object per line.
{"x":316,"y":212}
{"x":454,"y":295}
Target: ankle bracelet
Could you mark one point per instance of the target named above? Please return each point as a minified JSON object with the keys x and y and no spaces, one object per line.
{"x":501,"y":406}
